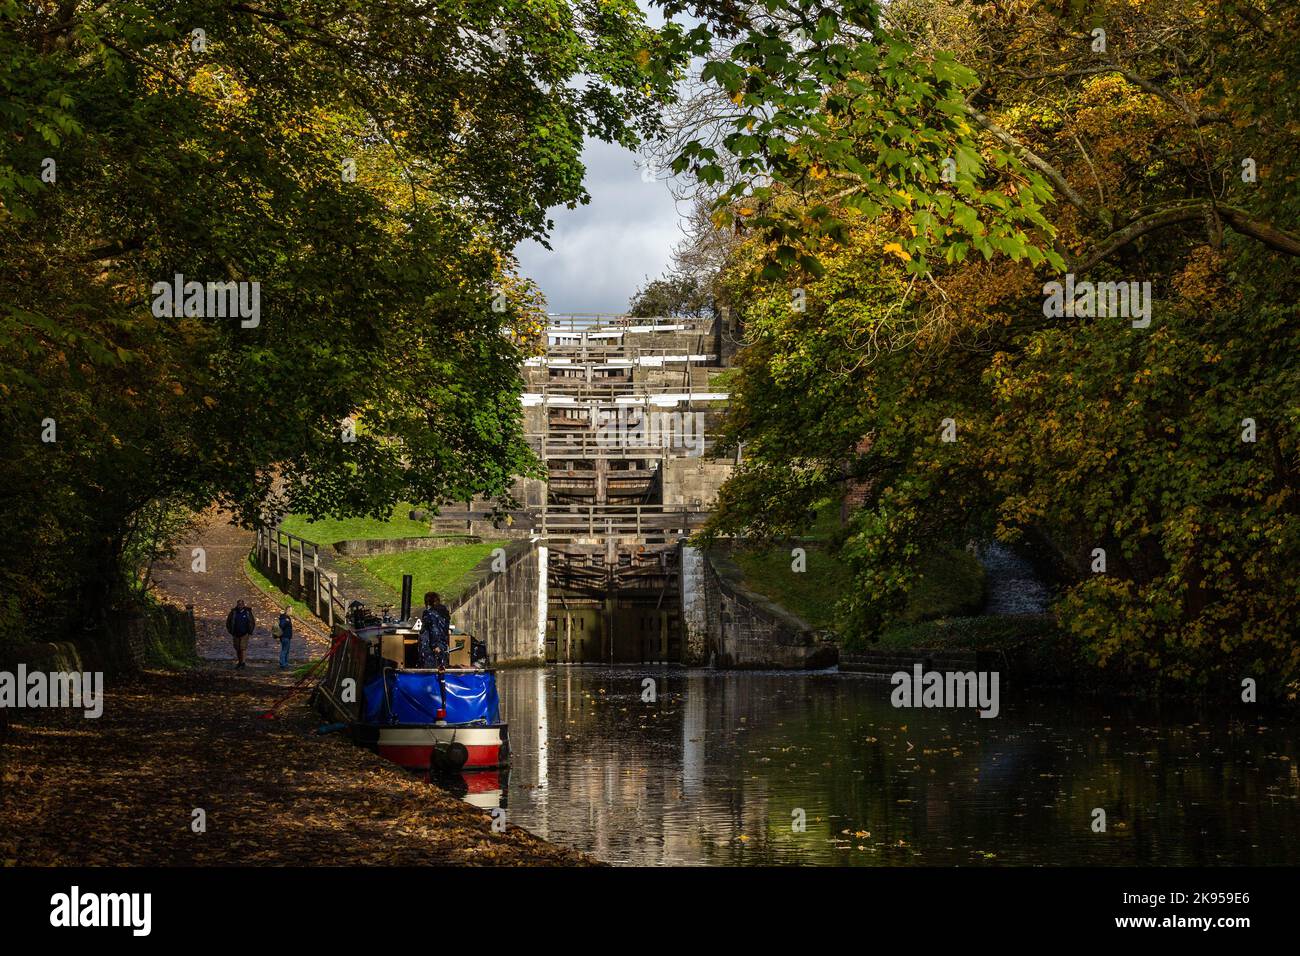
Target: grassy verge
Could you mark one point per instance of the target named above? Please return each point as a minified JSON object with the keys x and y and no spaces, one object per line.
{"x":445,"y":570}
{"x":268,"y":587}
{"x":329,"y":530}
{"x":810,"y":594}
{"x":951,"y":584}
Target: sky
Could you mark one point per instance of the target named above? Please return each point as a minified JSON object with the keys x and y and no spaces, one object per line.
{"x":602,"y":252}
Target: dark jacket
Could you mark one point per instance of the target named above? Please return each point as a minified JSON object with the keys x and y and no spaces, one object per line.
{"x":286,"y":627}
{"x":436,"y":625}
{"x":239,"y":624}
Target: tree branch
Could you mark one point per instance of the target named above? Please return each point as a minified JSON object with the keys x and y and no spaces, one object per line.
{"x":1035,"y":161}
{"x":1192,"y":211}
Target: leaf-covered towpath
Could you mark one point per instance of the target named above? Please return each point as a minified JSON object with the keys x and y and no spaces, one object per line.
{"x":214,"y":591}
{"x":123,"y":788}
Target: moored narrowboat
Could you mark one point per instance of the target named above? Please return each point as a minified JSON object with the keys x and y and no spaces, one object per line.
{"x":447,"y":719}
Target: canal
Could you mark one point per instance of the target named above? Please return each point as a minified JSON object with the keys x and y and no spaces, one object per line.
{"x":721,"y":767}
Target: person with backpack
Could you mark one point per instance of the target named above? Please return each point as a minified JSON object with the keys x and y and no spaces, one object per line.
{"x":283,"y":629}
{"x":240,"y":624}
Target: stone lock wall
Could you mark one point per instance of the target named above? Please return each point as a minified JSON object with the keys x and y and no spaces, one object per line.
{"x":507,"y":608}
{"x":729,"y":626}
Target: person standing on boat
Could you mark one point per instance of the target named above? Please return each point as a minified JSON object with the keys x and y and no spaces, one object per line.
{"x":240,"y":624}
{"x":435,"y":627}
{"x":284,"y":631}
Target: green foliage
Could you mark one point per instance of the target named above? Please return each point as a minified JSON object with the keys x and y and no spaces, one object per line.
{"x":948,"y":583}
{"x":833,"y":105}
{"x":671,"y":295}
{"x":168,"y":640}
{"x":228,"y":160}
{"x":1081,"y":431}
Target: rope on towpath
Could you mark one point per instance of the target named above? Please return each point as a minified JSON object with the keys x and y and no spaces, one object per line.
{"x":269,"y":713}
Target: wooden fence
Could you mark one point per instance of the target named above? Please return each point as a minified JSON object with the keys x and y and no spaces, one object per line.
{"x":296,"y":564}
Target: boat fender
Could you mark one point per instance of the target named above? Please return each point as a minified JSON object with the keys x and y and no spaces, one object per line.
{"x":451,"y":757}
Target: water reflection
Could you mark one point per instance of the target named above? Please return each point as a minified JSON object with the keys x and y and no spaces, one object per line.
{"x":719,"y":767}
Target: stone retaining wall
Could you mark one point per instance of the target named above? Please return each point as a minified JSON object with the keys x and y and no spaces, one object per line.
{"x":507,"y":608}
{"x":368,"y":547}
{"x":731,"y":626}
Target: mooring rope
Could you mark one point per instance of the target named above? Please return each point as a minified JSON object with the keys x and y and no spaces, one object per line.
{"x":269,"y":713}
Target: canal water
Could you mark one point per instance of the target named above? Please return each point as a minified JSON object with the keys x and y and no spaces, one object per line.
{"x":722,"y":767}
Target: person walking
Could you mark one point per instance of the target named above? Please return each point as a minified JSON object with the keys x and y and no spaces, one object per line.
{"x":435,"y":626}
{"x":240,"y":624}
{"x":283,"y":629}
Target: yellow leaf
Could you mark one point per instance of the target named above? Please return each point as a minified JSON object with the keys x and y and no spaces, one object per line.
{"x":895,"y":249}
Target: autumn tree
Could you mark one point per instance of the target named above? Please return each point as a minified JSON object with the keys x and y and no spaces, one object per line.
{"x":1160,"y":461}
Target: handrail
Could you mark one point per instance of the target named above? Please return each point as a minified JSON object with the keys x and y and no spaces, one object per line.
{"x":586,"y":321}
{"x":323,"y":584}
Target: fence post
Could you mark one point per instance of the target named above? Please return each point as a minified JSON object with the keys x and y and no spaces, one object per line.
{"x":315,"y":576}
{"x":302,"y":566}
{"x":331,"y":604}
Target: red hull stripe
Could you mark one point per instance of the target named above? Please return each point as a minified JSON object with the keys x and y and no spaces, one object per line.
{"x":419,"y":756}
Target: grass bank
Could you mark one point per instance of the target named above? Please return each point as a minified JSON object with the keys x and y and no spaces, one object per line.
{"x":951,"y":584}
{"x":445,"y":570}
{"x":330,"y":530}
{"x":264,"y":584}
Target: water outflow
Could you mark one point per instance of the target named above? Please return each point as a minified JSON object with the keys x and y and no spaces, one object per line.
{"x":1012,"y":585}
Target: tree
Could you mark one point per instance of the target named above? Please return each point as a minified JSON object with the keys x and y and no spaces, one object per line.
{"x":672,"y":295}
{"x":1160,"y":462}
{"x":362,"y":169}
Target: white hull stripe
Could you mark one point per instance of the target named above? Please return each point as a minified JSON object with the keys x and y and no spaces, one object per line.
{"x":423,"y":736}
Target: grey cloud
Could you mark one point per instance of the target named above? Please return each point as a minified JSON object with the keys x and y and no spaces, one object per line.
{"x":600,"y":253}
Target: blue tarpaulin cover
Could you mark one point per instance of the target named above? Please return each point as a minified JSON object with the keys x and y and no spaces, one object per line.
{"x":414,"y":698}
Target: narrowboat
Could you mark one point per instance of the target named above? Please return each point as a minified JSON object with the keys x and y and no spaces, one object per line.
{"x":441,"y":720}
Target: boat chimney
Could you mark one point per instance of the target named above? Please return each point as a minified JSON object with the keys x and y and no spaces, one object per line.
{"x":406,"y":598}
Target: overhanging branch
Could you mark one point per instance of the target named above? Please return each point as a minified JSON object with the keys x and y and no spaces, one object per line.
{"x":1193,"y":211}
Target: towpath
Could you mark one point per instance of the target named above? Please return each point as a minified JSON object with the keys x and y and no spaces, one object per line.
{"x":124,"y":789}
{"x":127,"y":788}
{"x":213,"y":593}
